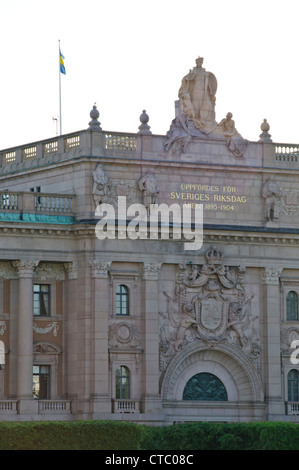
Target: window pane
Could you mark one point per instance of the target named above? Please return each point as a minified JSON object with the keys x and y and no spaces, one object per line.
{"x":293,"y":385}
{"x":292,"y":306}
{"x":205,"y":386}
{"x":41,"y":382}
{"x":122,"y":300}
{"x":41,"y":300}
{"x":122,"y":381}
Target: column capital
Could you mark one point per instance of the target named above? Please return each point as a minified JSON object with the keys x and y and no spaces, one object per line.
{"x":271,"y":274}
{"x":99,"y":268}
{"x":72,"y":269}
{"x":150,"y":271}
{"x":25,"y":267}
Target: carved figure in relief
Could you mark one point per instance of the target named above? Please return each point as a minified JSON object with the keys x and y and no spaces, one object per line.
{"x":197,"y":95}
{"x":236,"y":317}
{"x":149,"y":187}
{"x":187,"y":320}
{"x":101,"y":185}
{"x":271,"y":193}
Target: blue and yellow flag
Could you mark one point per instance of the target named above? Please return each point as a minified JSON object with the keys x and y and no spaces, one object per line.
{"x":62,"y":67}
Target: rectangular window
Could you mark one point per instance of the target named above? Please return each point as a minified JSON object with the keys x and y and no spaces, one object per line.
{"x":41,"y":382}
{"x":41,"y":300}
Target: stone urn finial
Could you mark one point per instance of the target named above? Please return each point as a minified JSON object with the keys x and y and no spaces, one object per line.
{"x":94,"y":124}
{"x":265,"y":136}
{"x":144,"y":128}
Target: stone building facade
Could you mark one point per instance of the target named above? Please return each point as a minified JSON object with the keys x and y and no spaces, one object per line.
{"x":134,"y":326}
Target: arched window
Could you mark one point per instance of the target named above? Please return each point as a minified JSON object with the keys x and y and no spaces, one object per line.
{"x":292,"y":306}
{"x":293,"y":385}
{"x":122,"y":300}
{"x":205,"y":386}
{"x":122,"y":383}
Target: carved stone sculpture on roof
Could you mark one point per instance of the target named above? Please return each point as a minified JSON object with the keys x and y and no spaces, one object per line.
{"x":196,"y":117}
{"x":209,"y":304}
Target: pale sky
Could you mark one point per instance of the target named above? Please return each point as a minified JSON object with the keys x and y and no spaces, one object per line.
{"x":130,"y":55}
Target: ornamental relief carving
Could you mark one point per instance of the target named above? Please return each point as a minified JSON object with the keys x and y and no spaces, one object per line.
{"x":53,"y":326}
{"x":209,"y":304}
{"x":287,"y":336}
{"x":45,"y":271}
{"x":123,"y":335}
{"x":106,"y":191}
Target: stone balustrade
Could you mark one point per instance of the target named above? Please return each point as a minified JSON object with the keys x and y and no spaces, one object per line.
{"x":37,"y":202}
{"x":20,"y":206}
{"x":87,"y":143}
{"x":292,"y":408}
{"x":125,"y":406}
{"x":8,"y":406}
{"x":287,"y":152}
{"x":49,"y":407}
{"x":54,"y":406}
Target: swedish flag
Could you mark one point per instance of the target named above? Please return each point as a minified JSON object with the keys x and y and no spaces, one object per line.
{"x":62,"y":67}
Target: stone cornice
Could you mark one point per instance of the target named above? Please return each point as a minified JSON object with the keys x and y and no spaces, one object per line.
{"x":217,"y":233}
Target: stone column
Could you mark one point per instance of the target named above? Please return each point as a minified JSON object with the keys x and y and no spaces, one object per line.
{"x":271,"y":314}
{"x":25,"y":334}
{"x":100,"y":356}
{"x":152,"y":399}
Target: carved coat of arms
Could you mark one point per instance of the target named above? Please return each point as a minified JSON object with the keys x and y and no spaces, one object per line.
{"x":209,"y":304}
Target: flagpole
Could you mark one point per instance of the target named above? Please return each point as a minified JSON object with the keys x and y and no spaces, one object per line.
{"x":60,"y":123}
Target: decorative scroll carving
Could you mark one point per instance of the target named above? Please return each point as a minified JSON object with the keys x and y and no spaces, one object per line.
{"x":209,"y":304}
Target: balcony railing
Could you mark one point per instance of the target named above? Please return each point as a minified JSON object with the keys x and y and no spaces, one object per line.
{"x":287,"y":152}
{"x":44,"y":407}
{"x":37,"y":202}
{"x":8,"y":406}
{"x":125,"y":406}
{"x":292,"y":408}
{"x":119,"y":141}
{"x":54,"y":406}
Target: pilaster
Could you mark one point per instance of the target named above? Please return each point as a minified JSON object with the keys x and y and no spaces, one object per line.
{"x":271,"y":313}
{"x":100,"y":288}
{"x":152,"y":400}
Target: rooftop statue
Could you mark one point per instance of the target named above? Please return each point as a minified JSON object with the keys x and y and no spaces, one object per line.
{"x":196,"y":118}
{"x":197,"y":97}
